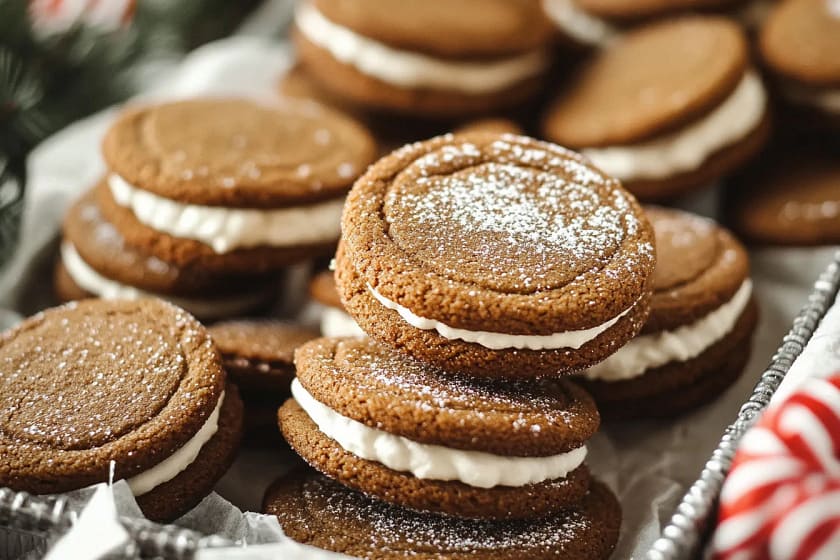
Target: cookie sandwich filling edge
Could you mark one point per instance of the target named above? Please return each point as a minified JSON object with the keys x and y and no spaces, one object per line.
{"x":435,"y":462}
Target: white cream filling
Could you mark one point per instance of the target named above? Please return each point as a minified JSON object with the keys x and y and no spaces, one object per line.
{"x":435,"y":462}
{"x":826,"y":100}
{"x":411,"y":69}
{"x":91,"y":281}
{"x":579,"y":24}
{"x":684,"y":343}
{"x":500,"y":341}
{"x":337,"y":323}
{"x":173,"y":465}
{"x":688,"y":148}
{"x":225,"y":229}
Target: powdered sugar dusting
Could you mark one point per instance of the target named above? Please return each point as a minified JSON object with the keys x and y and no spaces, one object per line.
{"x":324,"y":506}
{"x":514,"y":215}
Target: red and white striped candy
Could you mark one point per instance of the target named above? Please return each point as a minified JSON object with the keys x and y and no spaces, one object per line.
{"x":781,"y":500}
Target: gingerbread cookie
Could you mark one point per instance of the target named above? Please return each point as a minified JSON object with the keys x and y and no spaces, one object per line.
{"x":435,"y":58}
{"x":413,"y":435}
{"x":495,"y":255}
{"x":231,"y":184}
{"x":799,"y":43}
{"x":137,"y":385}
{"x":793,"y":199}
{"x":696,"y":341}
{"x":315,"y":510}
{"x":668,"y":108}
{"x":96,"y":261}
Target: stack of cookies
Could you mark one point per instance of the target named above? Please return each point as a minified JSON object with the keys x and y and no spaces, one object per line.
{"x":207,"y":200}
{"x":484,"y":268}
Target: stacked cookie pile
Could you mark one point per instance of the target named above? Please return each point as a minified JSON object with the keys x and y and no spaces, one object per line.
{"x":206,"y":201}
{"x":484,"y":268}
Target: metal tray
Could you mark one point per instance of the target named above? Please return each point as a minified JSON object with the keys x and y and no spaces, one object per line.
{"x":28,"y":523}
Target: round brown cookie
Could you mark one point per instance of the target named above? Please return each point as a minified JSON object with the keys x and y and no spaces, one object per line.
{"x":654,"y":80}
{"x":499,"y":125}
{"x":315,"y":510}
{"x":452,"y":498}
{"x":190,"y":253}
{"x":65,"y":288}
{"x":174,"y":498}
{"x":238,"y":153}
{"x":700,"y":266}
{"x":793,"y":199}
{"x":800,"y":40}
{"x":104,"y":249}
{"x":258,"y":355}
{"x":677,"y":387}
{"x":624,"y":10}
{"x":385,"y":390}
{"x":446,"y":28}
{"x":370,"y":93}
{"x":323,"y":290}
{"x":499,"y":234}
{"x":98,"y":382}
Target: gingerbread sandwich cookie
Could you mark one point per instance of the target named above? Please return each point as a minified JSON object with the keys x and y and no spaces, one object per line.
{"x":258,"y":356}
{"x":437,"y":57}
{"x":599,"y":22}
{"x":495,"y":255}
{"x":668,"y":108}
{"x":133,"y":386}
{"x":315,"y":510}
{"x":697,"y":339}
{"x":231,"y":185}
{"x":408,"y":433}
{"x":794,"y":199}
{"x":334,"y":319}
{"x":95,"y":261}
{"x":799,"y":43}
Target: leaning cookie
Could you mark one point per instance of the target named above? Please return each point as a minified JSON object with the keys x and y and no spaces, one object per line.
{"x":597,"y":23}
{"x":666,"y":109}
{"x":258,"y":357}
{"x":416,"y":436}
{"x":697,"y":339}
{"x":495,"y":255}
{"x":799,"y":43}
{"x":231,"y":185}
{"x":334,"y":319}
{"x":136,"y":387}
{"x":315,"y":510}
{"x":437,"y":58}
{"x":96,"y":261}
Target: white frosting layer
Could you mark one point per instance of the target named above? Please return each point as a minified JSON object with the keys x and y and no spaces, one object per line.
{"x":91,"y":281}
{"x":687,"y":342}
{"x":579,"y":24}
{"x":225,"y":229}
{"x":823,"y":99}
{"x":686,"y":149}
{"x":411,"y":69}
{"x":496,"y":340}
{"x":435,"y":462}
{"x":337,"y":323}
{"x":173,"y":465}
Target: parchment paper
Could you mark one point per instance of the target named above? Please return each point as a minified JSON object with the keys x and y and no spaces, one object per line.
{"x":649,"y":465}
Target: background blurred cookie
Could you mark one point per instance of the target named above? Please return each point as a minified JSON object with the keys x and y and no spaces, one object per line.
{"x":666,"y":109}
